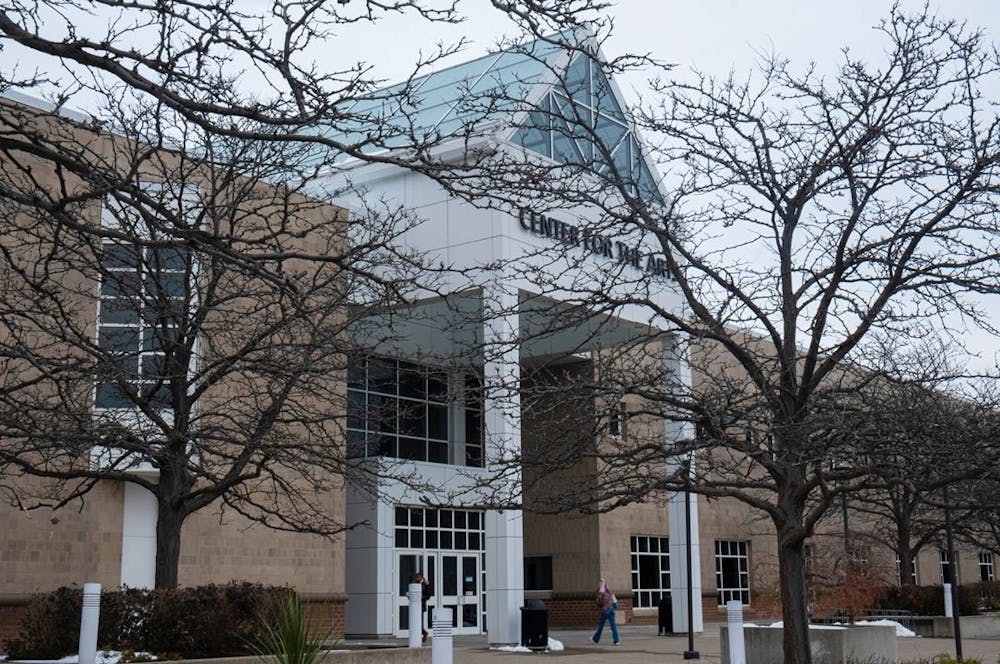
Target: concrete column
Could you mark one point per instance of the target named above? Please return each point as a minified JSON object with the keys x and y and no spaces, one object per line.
{"x":677,"y":374}
{"x":138,"y":564}
{"x":502,"y":419}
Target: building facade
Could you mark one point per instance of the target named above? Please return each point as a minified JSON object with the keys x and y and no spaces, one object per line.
{"x":433,"y":409}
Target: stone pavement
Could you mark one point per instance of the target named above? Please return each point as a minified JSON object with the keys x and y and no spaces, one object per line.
{"x":641,"y":645}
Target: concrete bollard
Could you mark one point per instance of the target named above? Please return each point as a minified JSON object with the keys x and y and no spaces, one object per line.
{"x":90,"y":617}
{"x":947,"y":601}
{"x":734,"y":623}
{"x":441,"y":645}
{"x":415,"y":593}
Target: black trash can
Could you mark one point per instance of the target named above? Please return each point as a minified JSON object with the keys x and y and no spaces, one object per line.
{"x":535,"y":625}
{"x":666,"y":616}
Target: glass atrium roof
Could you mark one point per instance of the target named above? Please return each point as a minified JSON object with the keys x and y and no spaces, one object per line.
{"x":576,"y":120}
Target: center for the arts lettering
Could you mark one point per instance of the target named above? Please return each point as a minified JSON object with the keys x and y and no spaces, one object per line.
{"x":595,"y":243}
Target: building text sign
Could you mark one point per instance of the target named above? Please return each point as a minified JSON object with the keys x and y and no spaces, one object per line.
{"x":594,"y":243}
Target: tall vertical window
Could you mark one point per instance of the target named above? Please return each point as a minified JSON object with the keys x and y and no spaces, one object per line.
{"x":650,"y":570}
{"x":618,"y":421}
{"x":401,"y":409}
{"x":946,"y":576}
{"x":143,"y":294}
{"x":986,"y":566}
{"x":473,"y":418}
{"x":732,"y":571}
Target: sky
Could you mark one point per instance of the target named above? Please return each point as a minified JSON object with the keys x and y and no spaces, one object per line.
{"x":713,"y":36}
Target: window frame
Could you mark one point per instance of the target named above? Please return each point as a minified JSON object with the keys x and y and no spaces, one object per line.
{"x":738,"y":550}
{"x":640,"y":548}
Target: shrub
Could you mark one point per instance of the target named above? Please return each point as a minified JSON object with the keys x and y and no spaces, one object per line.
{"x":203,"y":621}
{"x":50,"y":627}
{"x":927,"y":600}
{"x":989,"y":595}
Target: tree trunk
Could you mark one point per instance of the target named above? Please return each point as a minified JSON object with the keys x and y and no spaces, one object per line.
{"x":794,"y":612}
{"x":168,"y":545}
{"x":905,"y":558}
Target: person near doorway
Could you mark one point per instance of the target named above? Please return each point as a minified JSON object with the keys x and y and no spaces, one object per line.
{"x":426,"y":592}
{"x":607,"y":603}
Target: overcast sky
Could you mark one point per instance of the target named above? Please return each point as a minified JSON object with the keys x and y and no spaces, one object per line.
{"x":713,"y":36}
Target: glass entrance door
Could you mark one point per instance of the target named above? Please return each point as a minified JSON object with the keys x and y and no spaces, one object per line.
{"x":455,"y":579}
{"x":460,"y":591}
{"x":407,"y":566}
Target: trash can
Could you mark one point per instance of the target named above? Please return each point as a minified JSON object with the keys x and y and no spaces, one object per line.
{"x":666,"y":616}
{"x":535,"y":625}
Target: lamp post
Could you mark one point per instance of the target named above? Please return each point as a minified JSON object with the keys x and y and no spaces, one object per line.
{"x":690,"y":653}
{"x":952,"y":576}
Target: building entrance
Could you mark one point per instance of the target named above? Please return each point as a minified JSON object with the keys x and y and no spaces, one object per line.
{"x":456,"y":576}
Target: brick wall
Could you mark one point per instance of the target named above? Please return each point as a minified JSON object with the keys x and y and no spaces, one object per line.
{"x":327,"y":613}
{"x":12,"y":607}
{"x":579,"y":610}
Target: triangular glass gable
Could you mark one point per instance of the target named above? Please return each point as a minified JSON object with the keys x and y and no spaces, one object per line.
{"x":579,"y":121}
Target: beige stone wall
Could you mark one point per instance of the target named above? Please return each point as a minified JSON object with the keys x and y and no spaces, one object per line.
{"x":43,"y":549}
{"x":219,"y":545}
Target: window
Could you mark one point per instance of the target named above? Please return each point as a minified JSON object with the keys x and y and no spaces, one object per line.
{"x":732,"y":571}
{"x":986,"y":566}
{"x":650,"y":570}
{"x":946,"y":576}
{"x":401,"y":409}
{"x":618,"y":421}
{"x":913,"y":571}
{"x":473,"y":420}
{"x":580,"y":122}
{"x":446,"y":529}
{"x":538,"y":573}
{"x":143,"y":295}
{"x":860,"y":556}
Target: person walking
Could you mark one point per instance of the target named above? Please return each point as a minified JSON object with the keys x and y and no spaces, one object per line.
{"x":426,"y":592}
{"x":607,"y":603}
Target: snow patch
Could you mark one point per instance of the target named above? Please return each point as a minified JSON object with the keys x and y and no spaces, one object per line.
{"x":552,"y":646}
{"x":782,"y":624}
{"x":884,"y":622}
{"x":511,"y":648}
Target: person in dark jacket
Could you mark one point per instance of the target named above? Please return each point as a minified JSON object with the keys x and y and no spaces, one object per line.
{"x":426,"y":592}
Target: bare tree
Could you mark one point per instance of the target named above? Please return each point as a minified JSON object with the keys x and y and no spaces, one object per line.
{"x":803,"y":222}
{"x":228,"y":298}
{"x":929,"y":439}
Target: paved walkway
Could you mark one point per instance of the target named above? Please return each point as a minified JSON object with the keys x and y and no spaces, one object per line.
{"x":641,"y":645}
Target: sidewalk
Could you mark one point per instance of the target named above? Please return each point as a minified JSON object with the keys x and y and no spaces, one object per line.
{"x":641,"y":645}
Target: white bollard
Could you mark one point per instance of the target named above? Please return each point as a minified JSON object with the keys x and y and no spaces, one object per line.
{"x":90,"y":616}
{"x":441,"y":644}
{"x":415,"y":594}
{"x":734,"y":624}
{"x":947,"y":601}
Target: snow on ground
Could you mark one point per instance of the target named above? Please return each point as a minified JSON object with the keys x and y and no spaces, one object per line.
{"x":900,"y":630}
{"x":103,"y":657}
{"x":553,"y":645}
{"x":781,"y":624}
